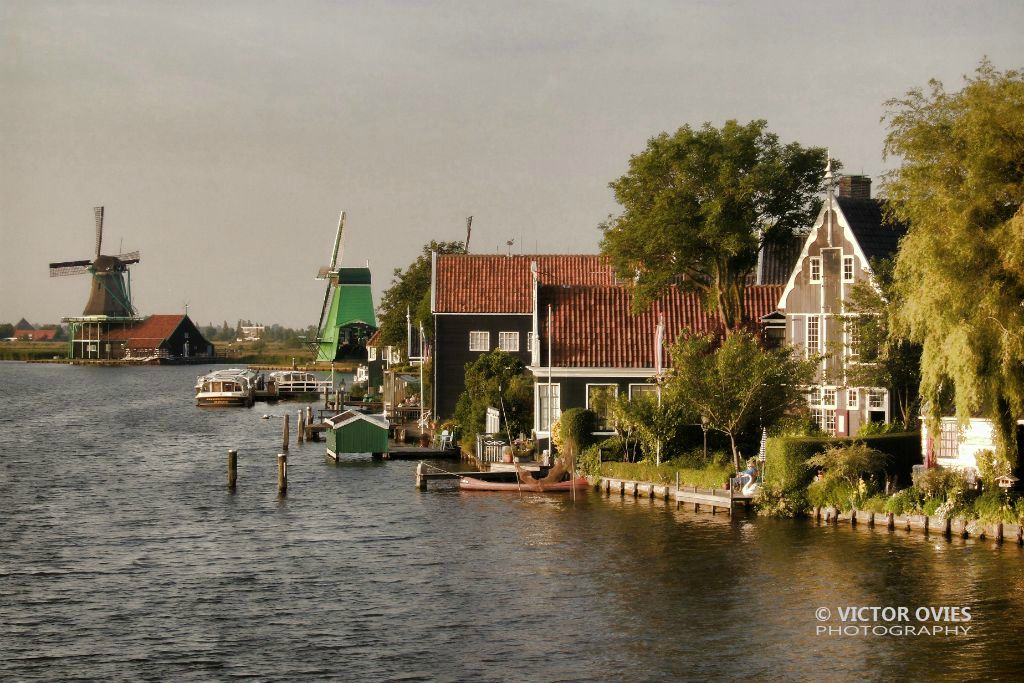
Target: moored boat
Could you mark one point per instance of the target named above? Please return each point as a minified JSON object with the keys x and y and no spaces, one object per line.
{"x":550,"y":483}
{"x":232,"y":387}
{"x":289,"y":383}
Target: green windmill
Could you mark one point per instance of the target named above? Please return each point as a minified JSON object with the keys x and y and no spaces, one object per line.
{"x":346,"y":319}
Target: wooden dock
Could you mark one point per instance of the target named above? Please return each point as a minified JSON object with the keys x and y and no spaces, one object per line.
{"x":711,"y":500}
{"x":425,"y":473}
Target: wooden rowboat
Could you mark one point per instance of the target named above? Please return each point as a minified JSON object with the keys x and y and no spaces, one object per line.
{"x":526,"y":482}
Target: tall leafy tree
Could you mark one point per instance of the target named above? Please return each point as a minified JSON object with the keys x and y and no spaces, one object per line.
{"x":738,"y":386}
{"x":960,"y":269}
{"x":410,"y":291}
{"x":698,"y":205}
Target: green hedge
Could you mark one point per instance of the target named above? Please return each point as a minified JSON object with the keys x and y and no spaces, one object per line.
{"x":786,"y":457}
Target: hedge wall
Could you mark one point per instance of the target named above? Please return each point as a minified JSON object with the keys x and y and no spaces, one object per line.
{"x":786,"y":457}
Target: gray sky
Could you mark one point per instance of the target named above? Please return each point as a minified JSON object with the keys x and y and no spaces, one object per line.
{"x":224,"y":137}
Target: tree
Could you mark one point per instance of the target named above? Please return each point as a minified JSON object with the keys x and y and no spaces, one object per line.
{"x":496,"y":380}
{"x":6,"y":330}
{"x":410,"y":291}
{"x":737,"y":386}
{"x":698,"y":205}
{"x":960,"y":269}
{"x":881,"y":357}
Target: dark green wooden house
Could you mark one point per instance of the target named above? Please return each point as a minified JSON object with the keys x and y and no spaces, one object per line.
{"x":355,"y":432}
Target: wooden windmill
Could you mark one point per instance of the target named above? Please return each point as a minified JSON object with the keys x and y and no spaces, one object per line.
{"x":346,"y":317}
{"x":111,"y":294}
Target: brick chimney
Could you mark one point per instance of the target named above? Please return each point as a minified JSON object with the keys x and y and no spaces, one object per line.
{"x":855,"y":186}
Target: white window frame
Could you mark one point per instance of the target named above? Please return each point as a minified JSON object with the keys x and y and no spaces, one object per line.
{"x":504,"y":337}
{"x":853,"y":398}
{"x":816,"y":346}
{"x":814,"y":265}
{"x":828,"y":397}
{"x":474,"y":340}
{"x":556,"y":409}
{"x":848,"y":268}
{"x":641,"y":389}
{"x":615,"y":394}
{"x":878,"y":394}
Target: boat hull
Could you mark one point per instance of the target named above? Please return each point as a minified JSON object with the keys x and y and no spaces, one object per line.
{"x":471,"y":484}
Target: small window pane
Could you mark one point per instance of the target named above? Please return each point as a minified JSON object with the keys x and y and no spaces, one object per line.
{"x":508,"y":341}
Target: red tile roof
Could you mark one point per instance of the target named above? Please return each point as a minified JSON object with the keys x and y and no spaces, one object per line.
{"x":479,"y":283}
{"x":594,"y":327}
{"x":374,"y":340}
{"x":149,"y":333}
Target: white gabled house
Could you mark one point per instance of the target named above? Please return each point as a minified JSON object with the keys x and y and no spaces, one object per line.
{"x":849,"y":232}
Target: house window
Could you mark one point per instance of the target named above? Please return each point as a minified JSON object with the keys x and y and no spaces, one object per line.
{"x":638,"y":390}
{"x":828,"y":421}
{"x":847,"y":269}
{"x":529,"y":342}
{"x":508,"y":341}
{"x":876,"y":399}
{"x":599,"y":399}
{"x":549,"y":405}
{"x":852,"y":399}
{"x":828,"y":397}
{"x":949,"y":440}
{"x":814,"y":397}
{"x":815,"y":268}
{"x":853,"y":339}
{"x":371,"y":353}
{"x":479,"y":341}
{"x":813,"y":338}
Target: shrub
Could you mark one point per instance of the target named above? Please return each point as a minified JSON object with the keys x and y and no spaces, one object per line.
{"x":931,"y":506}
{"x":907,"y":501}
{"x":787,"y":457}
{"x":994,"y":506}
{"x":940,"y":483}
{"x":832,"y":492}
{"x":575,"y":427}
{"x":589,"y":461}
{"x":849,"y":462}
{"x":711,"y":476}
{"x":873,"y":504}
{"x":772,"y":501}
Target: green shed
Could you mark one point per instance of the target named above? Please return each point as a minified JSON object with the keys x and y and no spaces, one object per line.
{"x":355,"y":432}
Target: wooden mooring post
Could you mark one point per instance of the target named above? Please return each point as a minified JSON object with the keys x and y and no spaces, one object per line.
{"x":300,"y":428}
{"x":232,"y":469}
{"x":421,"y":481}
{"x":282,"y":474}
{"x":284,"y":433}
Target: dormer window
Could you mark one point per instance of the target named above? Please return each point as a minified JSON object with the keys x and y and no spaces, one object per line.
{"x":815,"y":269}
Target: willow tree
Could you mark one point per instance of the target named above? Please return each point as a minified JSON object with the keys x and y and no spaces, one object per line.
{"x":960,"y":269}
{"x":698,"y":205}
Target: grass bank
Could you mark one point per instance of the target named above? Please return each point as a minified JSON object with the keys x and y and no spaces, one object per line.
{"x":709,"y":476}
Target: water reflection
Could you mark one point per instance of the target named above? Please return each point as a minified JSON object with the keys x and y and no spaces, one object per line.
{"x":124,"y":556}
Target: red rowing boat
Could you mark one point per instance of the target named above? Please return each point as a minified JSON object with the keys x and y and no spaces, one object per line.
{"x":526,"y":482}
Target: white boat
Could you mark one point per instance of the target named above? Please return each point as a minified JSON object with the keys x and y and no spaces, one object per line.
{"x":231,"y":387}
{"x":297,"y":382}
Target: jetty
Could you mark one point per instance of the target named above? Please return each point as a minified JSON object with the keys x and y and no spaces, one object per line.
{"x":710,"y":500}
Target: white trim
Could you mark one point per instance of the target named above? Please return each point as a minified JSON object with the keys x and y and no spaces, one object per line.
{"x":853,"y":270}
{"x":433,"y":282}
{"x":653,"y":388}
{"x":812,"y":237}
{"x":644,"y":373}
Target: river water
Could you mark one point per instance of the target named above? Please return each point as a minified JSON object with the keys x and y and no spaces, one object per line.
{"x":123,"y":556}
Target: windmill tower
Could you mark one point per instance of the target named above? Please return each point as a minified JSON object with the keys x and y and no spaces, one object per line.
{"x":110,"y":294}
{"x":346,"y":317}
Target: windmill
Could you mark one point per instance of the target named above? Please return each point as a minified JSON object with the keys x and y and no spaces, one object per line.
{"x":111,"y":294}
{"x":346,"y":317}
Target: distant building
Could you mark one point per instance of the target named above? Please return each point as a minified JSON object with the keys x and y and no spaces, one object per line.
{"x":25,"y":331}
{"x":156,"y":339}
{"x":251,"y":333}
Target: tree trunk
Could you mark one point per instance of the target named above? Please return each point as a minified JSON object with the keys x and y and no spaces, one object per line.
{"x":735,"y":453}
